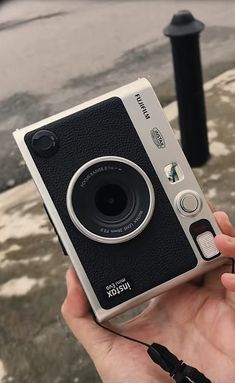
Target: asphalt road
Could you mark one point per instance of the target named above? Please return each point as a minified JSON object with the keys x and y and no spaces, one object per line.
{"x":55,"y":54}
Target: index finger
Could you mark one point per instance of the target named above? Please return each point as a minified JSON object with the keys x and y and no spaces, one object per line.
{"x":224,"y":223}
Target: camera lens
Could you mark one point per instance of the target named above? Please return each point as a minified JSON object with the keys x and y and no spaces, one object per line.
{"x":110,"y":199}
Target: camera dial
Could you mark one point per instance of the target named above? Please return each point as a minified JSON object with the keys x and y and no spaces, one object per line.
{"x":188,"y":203}
{"x":45,"y":143}
{"x":110,"y":199}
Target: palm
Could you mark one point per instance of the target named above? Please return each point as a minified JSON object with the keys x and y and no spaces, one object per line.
{"x":195,"y":323}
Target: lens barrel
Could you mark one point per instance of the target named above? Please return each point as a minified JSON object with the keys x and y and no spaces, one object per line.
{"x":110,"y":199}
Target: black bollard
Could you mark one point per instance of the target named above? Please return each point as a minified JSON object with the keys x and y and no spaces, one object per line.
{"x":184,"y":32}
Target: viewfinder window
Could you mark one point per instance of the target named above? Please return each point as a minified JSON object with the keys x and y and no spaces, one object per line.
{"x":174,"y":173}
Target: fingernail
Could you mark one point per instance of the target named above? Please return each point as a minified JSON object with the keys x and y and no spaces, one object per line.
{"x":229,"y":276}
{"x":229,"y":222}
{"x":67,"y":280}
{"x":226,"y":216}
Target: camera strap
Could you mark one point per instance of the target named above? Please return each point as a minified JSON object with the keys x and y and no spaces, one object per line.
{"x":179,"y":371}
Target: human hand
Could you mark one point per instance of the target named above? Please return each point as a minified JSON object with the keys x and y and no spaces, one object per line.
{"x":196,"y":322}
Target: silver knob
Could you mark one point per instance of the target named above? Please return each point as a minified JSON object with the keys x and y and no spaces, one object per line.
{"x":188,"y":202}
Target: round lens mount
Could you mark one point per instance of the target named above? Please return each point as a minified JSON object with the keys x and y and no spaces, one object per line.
{"x":110,"y":199}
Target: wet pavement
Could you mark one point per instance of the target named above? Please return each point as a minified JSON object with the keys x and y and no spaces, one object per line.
{"x":35,"y":345}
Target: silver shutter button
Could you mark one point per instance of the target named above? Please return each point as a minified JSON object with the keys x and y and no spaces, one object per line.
{"x":188,"y":203}
{"x":206,"y":241}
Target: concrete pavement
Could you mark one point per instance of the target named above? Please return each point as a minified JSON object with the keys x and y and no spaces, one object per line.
{"x":55,"y":54}
{"x":35,"y":346}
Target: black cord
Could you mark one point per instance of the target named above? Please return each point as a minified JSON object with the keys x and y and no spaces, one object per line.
{"x":179,"y":371}
{"x":123,"y":336}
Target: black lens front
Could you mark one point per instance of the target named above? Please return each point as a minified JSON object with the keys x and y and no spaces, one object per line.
{"x":111,"y":200}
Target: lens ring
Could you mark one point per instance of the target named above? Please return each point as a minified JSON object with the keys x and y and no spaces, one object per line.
{"x":100,"y":238}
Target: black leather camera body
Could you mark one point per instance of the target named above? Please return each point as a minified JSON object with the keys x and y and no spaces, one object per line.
{"x":122,"y":197}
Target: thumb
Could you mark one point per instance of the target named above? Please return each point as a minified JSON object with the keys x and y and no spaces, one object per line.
{"x":77,"y":314}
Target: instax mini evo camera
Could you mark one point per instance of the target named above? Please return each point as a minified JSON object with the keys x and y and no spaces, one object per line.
{"x":122,"y":197}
